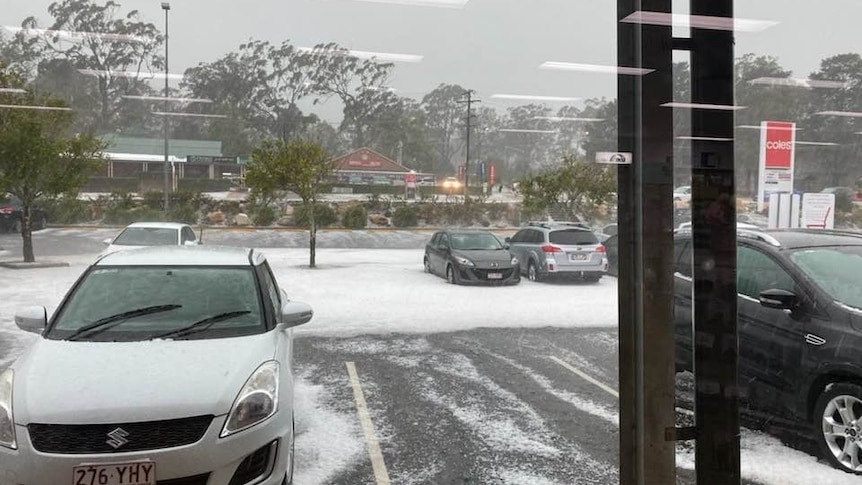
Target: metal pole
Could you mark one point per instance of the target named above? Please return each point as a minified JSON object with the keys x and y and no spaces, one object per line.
{"x":166,"y":7}
{"x":714,"y":240}
{"x":467,"y":154}
{"x":647,"y":428}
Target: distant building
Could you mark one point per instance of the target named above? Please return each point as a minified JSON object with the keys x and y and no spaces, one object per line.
{"x":368,"y":167}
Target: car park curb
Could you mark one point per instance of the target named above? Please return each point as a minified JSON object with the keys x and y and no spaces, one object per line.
{"x":33,"y":265}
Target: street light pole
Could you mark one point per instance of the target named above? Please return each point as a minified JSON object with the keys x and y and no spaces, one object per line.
{"x":166,"y":7}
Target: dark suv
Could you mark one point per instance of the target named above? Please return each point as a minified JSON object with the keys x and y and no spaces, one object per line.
{"x":11,"y":214}
{"x":800,"y":332}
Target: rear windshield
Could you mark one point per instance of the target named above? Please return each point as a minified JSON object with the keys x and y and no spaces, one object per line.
{"x":572,"y":237}
{"x":147,"y":236}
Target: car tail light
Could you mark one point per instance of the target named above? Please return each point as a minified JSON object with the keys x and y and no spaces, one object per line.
{"x":6,"y":210}
{"x":601,"y":249}
{"x":550,"y":248}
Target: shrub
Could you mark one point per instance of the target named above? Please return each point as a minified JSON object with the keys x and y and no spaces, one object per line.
{"x":355,"y":217}
{"x":67,"y":210}
{"x":405,"y":216}
{"x":324,"y":215}
{"x":183,"y":213}
{"x":263,"y":216}
{"x":122,"y":217}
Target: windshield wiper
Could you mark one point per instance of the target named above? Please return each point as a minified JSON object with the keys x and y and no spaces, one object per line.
{"x":201,"y":325}
{"x":101,"y":324}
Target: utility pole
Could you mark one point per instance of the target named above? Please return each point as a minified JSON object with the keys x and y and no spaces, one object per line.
{"x":469,"y":102}
{"x":165,"y":172}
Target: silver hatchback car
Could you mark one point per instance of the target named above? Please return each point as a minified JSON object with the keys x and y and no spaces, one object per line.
{"x":548,"y":249}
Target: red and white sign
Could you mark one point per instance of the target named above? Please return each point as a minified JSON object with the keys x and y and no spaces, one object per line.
{"x":410,"y":180}
{"x":777,"y":155}
{"x":492,"y":174}
{"x":364,"y":163}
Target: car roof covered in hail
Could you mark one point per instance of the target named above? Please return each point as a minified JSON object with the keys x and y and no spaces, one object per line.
{"x":183,"y":256}
{"x":159,"y":225}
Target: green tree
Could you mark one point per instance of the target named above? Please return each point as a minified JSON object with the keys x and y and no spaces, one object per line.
{"x":299,"y":166}
{"x":444,"y":123}
{"x":578,"y":188}
{"x":38,"y":156}
{"x":99,"y":38}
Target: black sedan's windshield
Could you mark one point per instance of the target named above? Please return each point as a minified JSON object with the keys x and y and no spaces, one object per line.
{"x":835,"y":269}
{"x":183,"y":295}
{"x":475,"y":242}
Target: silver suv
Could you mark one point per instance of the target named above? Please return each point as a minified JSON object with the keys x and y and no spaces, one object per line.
{"x":558,"y":249}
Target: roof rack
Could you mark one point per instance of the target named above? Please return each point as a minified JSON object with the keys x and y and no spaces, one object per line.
{"x":549,"y":224}
{"x":745,"y":233}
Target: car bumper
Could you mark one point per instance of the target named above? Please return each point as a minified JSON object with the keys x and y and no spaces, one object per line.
{"x":552,"y":268}
{"x":214,"y":459}
{"x":479,"y":276}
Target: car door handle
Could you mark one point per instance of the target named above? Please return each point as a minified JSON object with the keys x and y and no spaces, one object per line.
{"x":814,"y":340}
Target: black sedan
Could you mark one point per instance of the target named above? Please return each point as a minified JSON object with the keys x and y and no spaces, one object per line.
{"x":471,"y":257}
{"x":11,"y":214}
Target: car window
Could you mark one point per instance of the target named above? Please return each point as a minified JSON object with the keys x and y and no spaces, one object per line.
{"x":197,"y":292}
{"x":188,"y":234}
{"x":757,"y":272}
{"x":444,"y":240}
{"x":147,"y":236}
{"x":435,"y":239}
{"x":519,"y":236}
{"x":836,"y":270}
{"x":475,"y":241}
{"x":572,"y":237}
{"x":682,"y":257}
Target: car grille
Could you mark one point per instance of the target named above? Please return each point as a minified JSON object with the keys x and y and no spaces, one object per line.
{"x":255,"y":465}
{"x":94,"y":438}
{"x":195,"y":480}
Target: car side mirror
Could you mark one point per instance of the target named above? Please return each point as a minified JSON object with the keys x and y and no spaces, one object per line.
{"x":778,"y":299}
{"x":295,"y":313}
{"x":32,"y":319}
{"x":508,"y":240}
{"x":107,"y":242}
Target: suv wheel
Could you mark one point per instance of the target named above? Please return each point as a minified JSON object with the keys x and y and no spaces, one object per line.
{"x":533,"y":272}
{"x":838,"y":425}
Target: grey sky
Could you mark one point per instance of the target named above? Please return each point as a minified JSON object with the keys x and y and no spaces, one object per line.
{"x":493,"y":46}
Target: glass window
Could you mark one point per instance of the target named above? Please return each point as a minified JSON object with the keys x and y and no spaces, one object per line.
{"x":682,"y":256}
{"x":475,"y":241}
{"x":757,"y":272}
{"x":144,"y":302}
{"x":147,"y":236}
{"x":572,"y":237}
{"x":520,"y":236}
{"x":836,"y":270}
{"x":188,"y":235}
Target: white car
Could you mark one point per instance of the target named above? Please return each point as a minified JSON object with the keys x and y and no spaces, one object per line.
{"x":161,"y":365}
{"x":682,"y":194}
{"x":144,"y":234}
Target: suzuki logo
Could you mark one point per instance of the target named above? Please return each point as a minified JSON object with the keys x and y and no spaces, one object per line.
{"x":117,"y":438}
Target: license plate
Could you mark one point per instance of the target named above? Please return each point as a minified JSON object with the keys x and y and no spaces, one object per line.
{"x":495,"y":276}
{"x":577,"y":256}
{"x":134,"y":473}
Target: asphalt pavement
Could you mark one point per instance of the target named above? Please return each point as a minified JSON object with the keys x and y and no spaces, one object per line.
{"x":484,"y":406}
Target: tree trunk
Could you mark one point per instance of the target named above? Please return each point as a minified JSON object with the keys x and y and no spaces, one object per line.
{"x":312,"y":237}
{"x":27,"y":234}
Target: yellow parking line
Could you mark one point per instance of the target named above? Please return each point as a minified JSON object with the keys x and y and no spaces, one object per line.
{"x":586,"y":377}
{"x":377,"y":464}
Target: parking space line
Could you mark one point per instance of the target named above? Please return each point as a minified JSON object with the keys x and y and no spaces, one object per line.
{"x":377,"y":464}
{"x":586,"y":377}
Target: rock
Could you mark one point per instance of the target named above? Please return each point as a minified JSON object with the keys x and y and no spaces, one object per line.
{"x":286,"y":221}
{"x":216,"y":217}
{"x":242,"y":219}
{"x":379,"y":219}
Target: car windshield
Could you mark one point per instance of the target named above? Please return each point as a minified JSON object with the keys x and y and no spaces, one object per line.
{"x":140,"y":302}
{"x":835,"y":270}
{"x":572,"y":237}
{"x":475,"y":242}
{"x":147,"y":236}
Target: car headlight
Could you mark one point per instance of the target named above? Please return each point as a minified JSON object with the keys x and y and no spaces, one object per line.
{"x":7,"y":421}
{"x":463,"y":261}
{"x":256,"y":402}
{"x":514,"y":260}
